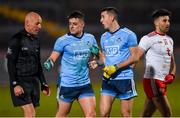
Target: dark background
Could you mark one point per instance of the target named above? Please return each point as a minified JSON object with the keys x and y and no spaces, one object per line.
{"x":133,"y":14}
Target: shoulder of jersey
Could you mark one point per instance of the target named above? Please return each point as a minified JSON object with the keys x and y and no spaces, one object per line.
{"x":104,"y":34}
{"x":64,"y":37}
{"x":168,"y":36}
{"x":88,"y":35}
{"x":151,"y":34}
{"x":16,"y":37}
{"x":126,"y":30}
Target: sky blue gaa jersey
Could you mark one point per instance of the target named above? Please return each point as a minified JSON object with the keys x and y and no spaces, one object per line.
{"x":116,"y":46}
{"x":75,"y":52}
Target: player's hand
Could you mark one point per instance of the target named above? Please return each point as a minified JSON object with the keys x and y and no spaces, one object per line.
{"x":45,"y":89}
{"x":93,"y":64}
{"x":169,"y":78}
{"x":48,"y":64}
{"x":106,"y":76}
{"x":18,"y":90}
{"x":94,"y":50}
{"x":110,"y":70}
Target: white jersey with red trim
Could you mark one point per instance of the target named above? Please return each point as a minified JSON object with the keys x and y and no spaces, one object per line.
{"x":158,"y":51}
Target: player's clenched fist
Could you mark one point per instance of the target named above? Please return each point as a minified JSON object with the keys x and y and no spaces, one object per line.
{"x":106,"y":76}
{"x":94,"y":50}
{"x":93,"y":64}
{"x":169,"y":78}
{"x":110,"y":69}
{"x":48,"y":64}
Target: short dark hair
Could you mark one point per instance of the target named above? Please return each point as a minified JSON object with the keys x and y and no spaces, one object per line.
{"x":111,"y":10}
{"x":76,"y":14}
{"x":160,"y":12}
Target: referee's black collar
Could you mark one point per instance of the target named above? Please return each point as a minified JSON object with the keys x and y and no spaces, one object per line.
{"x":28,"y":34}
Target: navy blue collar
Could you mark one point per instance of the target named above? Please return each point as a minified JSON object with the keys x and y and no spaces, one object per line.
{"x":115,"y":31}
{"x":79,"y":37}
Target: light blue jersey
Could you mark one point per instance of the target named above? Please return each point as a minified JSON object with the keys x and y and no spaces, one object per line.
{"x":116,"y":46}
{"x":75,"y":53}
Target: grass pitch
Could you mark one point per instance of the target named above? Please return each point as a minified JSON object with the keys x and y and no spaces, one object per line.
{"x":48,"y":105}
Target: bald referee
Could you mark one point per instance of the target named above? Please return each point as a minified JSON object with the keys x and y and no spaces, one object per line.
{"x":24,"y":67}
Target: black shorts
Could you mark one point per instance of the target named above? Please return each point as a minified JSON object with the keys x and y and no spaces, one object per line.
{"x":31,"y":94}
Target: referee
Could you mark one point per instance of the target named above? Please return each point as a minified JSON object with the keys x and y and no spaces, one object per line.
{"x":24,"y":67}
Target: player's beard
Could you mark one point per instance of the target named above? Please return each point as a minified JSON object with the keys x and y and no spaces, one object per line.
{"x":167,"y":29}
{"x":164,"y":30}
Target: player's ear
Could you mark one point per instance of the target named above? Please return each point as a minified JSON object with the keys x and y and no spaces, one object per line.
{"x":156,"y":22}
{"x":112,"y":17}
{"x":82,"y":23}
{"x":26,"y":24}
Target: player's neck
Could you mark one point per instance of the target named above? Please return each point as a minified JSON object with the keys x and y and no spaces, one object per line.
{"x":159,"y":32}
{"x":79,"y":34}
{"x":114,"y":27}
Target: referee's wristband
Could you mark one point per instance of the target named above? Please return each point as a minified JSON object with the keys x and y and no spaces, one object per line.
{"x":14,"y":83}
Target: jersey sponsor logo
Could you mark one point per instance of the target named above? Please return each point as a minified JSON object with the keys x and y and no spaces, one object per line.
{"x":81,"y":54}
{"x":159,"y":42}
{"x":112,"y":50}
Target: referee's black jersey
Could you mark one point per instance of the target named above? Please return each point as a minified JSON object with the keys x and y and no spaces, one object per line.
{"x":23,"y":56}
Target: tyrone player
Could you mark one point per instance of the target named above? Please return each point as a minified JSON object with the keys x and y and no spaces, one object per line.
{"x":160,"y":64}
